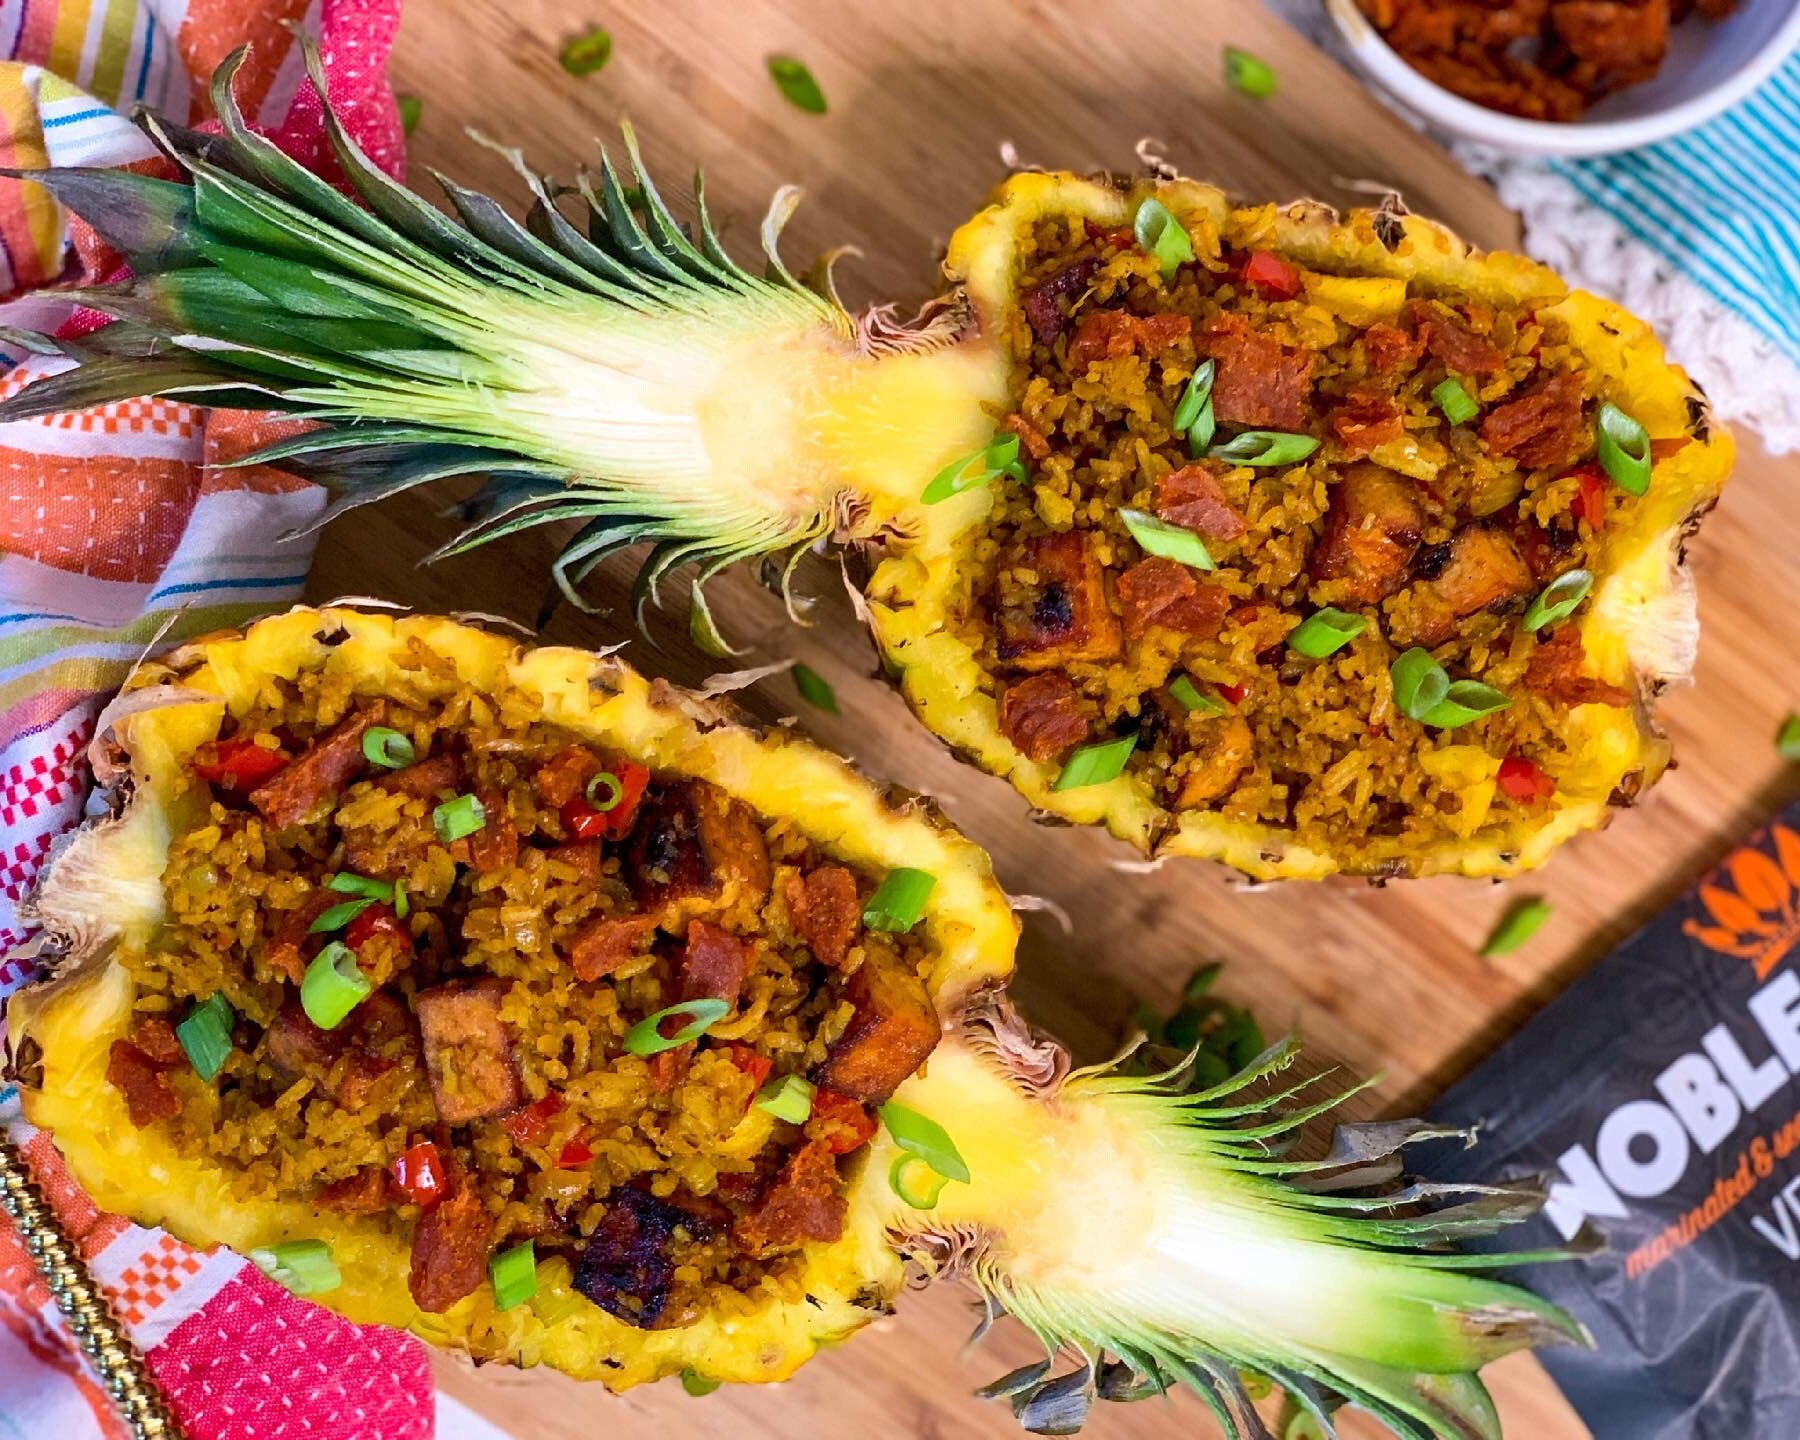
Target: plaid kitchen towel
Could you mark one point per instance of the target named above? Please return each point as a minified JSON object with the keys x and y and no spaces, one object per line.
{"x":119,"y":532}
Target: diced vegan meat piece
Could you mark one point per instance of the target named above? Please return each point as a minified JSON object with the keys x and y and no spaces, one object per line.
{"x":1371,"y":534}
{"x":1480,"y":569}
{"x":1056,"y":612}
{"x":301,"y":1049}
{"x":893,"y":1028}
{"x":1166,"y":593}
{"x":149,"y":1096}
{"x":1543,"y":426}
{"x":1548,"y":551}
{"x":1110,"y":334}
{"x":468,"y":1053}
{"x":291,"y":945}
{"x":668,"y":1068}
{"x":1220,"y":754}
{"x":695,"y":841}
{"x":565,"y":774}
{"x":1042,"y":715}
{"x":1040,"y":302}
{"x":1618,"y":39}
{"x":606,"y":942}
{"x":1259,"y":382}
{"x":1554,"y":672}
{"x":363,"y":1193}
{"x":1390,"y":349}
{"x":628,"y":1268}
{"x":1364,"y":419}
{"x":801,"y":1206}
{"x":450,"y":1250}
{"x":827,"y":912}
{"x":425,"y":780}
{"x":712,"y":964}
{"x":1191,"y":497}
{"x":585,"y":857}
{"x":1447,"y":337}
{"x":327,"y":766}
{"x":495,"y":845}
{"x":156,"y":1038}
{"x":1030,"y":437}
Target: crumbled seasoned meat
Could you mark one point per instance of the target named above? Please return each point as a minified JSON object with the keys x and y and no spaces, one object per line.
{"x":712,"y":964}
{"x":1364,"y":419}
{"x":327,"y":766}
{"x":1543,"y":426}
{"x":1221,"y":753}
{"x":695,"y":841}
{"x":450,"y":1250}
{"x":607,"y":942}
{"x":156,"y":1038}
{"x":1371,"y":534}
{"x":1110,"y":334}
{"x":669,"y":1067}
{"x":802,"y":1205}
{"x":1164,"y":592}
{"x":1617,"y":39}
{"x":149,"y":1096}
{"x":1481,"y":570}
{"x":1259,"y":382}
{"x":495,"y":846}
{"x":583,"y":856}
{"x":565,"y":774}
{"x":1191,"y":497}
{"x":1554,"y":672}
{"x":344,"y":1062}
{"x":893,"y":1028}
{"x":827,"y":911}
{"x":1389,"y":348}
{"x":1447,"y":337}
{"x":628,"y":1268}
{"x":1042,"y":715}
{"x":431,"y":779}
{"x":1039,"y":301}
{"x":363,"y":1193}
{"x":1030,"y":437}
{"x":1060,"y":613}
{"x":468,"y":1053}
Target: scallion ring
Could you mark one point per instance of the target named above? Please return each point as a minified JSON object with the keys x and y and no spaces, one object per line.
{"x":1326,"y":631}
{"x":916,"y":1182}
{"x":788,"y":1098}
{"x":1420,"y":683}
{"x":1172,"y":542}
{"x":206,"y":1036}
{"x":647,"y":1037}
{"x":346,"y":882}
{"x":698,"y":1385}
{"x":1517,"y":926}
{"x":604,"y":792}
{"x":1264,"y":447}
{"x":333,"y":986}
{"x":1244,"y":72}
{"x":815,"y":689}
{"x":1200,"y":433}
{"x":513,"y":1274}
{"x":338,"y":916}
{"x":999,"y":457}
{"x":1095,"y":764}
{"x":1191,"y":697}
{"x":1624,"y":449}
{"x":1455,"y":402}
{"x":304,"y":1267}
{"x":400,"y":906}
{"x":1160,"y":234}
{"x":1558,"y":599}
{"x":455,"y":819}
{"x":922,"y":1136}
{"x":387,"y":748}
{"x":898,"y":903}
{"x":1463,"y":702}
{"x":1194,"y":398}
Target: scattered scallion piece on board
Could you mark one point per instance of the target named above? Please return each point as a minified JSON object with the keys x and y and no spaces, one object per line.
{"x":1516,"y":926}
{"x":898,"y":903}
{"x":1243,"y":71}
{"x":815,"y":690}
{"x":1624,"y":449}
{"x":1095,"y":764}
{"x":206,"y":1035}
{"x":587,"y":53}
{"x":1787,"y":739}
{"x":1326,"y":631}
{"x":698,"y":1385}
{"x":796,"y":84}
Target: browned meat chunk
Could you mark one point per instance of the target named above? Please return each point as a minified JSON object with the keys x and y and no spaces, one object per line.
{"x":1390,"y":349}
{"x":1542,"y":427}
{"x":1555,"y":673}
{"x":565,"y":774}
{"x":802,"y":1205}
{"x":1548,"y":552}
{"x":669,"y":1067}
{"x":493,"y":847}
{"x":431,"y":779}
{"x":1259,"y":382}
{"x":468,"y":1053}
{"x":450,"y":1250}
{"x":827,"y":912}
{"x":893,"y":1029}
{"x":1191,"y":497}
{"x":327,"y":766}
{"x":1110,"y":334}
{"x":149,"y":1096}
{"x":1448,"y":338}
{"x":1371,"y":533}
{"x":291,"y":945}
{"x":1617,"y":39}
{"x":605,"y":943}
{"x":1030,"y":437}
{"x":584,"y":856}
{"x":364,"y":1193}
{"x":1364,"y":419}
{"x":1052,"y":604}
{"x":156,"y":1038}
{"x":1042,"y":715}
{"x":1480,"y":569}
{"x":1046,"y":316}
{"x":628,"y":1268}
{"x":1221,"y":752}
{"x":1166,"y":593}
{"x":712,"y":965}
{"x":694,"y":841}
{"x":343,"y":1062}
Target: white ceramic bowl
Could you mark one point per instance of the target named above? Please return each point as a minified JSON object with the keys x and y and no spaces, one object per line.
{"x":1711,"y":65}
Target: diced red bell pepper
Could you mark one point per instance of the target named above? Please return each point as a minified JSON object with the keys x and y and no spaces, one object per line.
{"x":418,"y":1174}
{"x":237,"y":765}
{"x":1523,"y":781}
{"x":840,"y":1122}
{"x":1590,"y":501}
{"x":574,"y":1155}
{"x":527,"y":1125}
{"x":757,"y":1067}
{"x":584,"y":822}
{"x":1272,"y":275}
{"x":378,"y":919}
{"x":1232,"y":694}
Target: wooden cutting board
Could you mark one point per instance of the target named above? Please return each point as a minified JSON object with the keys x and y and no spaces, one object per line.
{"x":922,"y":96}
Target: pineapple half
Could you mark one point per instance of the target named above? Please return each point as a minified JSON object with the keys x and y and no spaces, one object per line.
{"x":635,"y":380}
{"x":1151,"y":1234}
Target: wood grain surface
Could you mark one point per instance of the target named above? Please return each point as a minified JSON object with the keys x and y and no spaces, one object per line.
{"x":923,"y":93}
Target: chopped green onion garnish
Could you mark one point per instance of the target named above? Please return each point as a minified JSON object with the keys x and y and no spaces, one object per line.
{"x":1243,"y":71}
{"x":1326,"y":631}
{"x":1264,"y":447}
{"x":338,"y":916}
{"x":698,"y":1385}
{"x":1194,"y":399}
{"x":411,"y":107}
{"x":587,"y":53}
{"x":1200,"y":433}
{"x":1787,"y":739}
{"x":1455,"y":402}
{"x":387,"y":748}
{"x":922,"y":1136}
{"x":1517,"y":926}
{"x":459,"y":817}
{"x":898,"y":903}
{"x":1160,"y":234}
{"x":333,"y":986}
{"x":647,"y":1037}
{"x":999,"y":457}
{"x":346,"y":882}
{"x":796,"y":82}
{"x":1465,"y":700}
{"x":915,"y":1182}
{"x":400,"y":906}
{"x":1190,"y":697}
{"x":206,"y":1035}
{"x":788,"y":1098}
{"x":1201,"y":981}
{"x":513,"y":1274}
{"x":1420,"y":683}
{"x":304,"y":1267}
{"x":1624,"y":447}
{"x":1558,"y":599}
{"x":1172,"y":542}
{"x":814,"y":689}
{"x":604,"y":791}
{"x":1096,"y":764}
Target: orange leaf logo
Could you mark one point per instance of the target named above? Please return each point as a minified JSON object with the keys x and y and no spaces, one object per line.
{"x":1758,"y":917}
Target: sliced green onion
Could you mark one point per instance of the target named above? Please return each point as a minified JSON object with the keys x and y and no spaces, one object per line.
{"x":647,"y":1038}
{"x":1464,"y":701}
{"x":387,"y":748}
{"x":1455,"y":402}
{"x":513,"y":1274}
{"x":915,"y":1182}
{"x":304,"y":1267}
{"x":1624,"y":447}
{"x":338,"y":916}
{"x":1200,"y":433}
{"x":815,"y":690}
{"x":1264,"y":447}
{"x":411,"y":107}
{"x":1195,"y":398}
{"x":333,"y":986}
{"x":1172,"y":542}
{"x":1243,"y":71}
{"x":1787,"y":739}
{"x":1189,"y":696}
{"x":1557,"y":600}
{"x":1095,"y":764}
{"x":1160,"y":234}
{"x":206,"y":1035}
{"x":1517,"y":926}
{"x":400,"y":905}
{"x":1420,"y":683}
{"x":898,"y":903}
{"x":796,"y":83}
{"x":604,"y":791}
{"x":459,"y":817}
{"x":958,"y":476}
{"x":347,"y":882}
{"x":788,"y":1098}
{"x":698,"y":1385}
{"x":1326,"y":631}
{"x":922,"y":1136}
{"x":1201,"y":981}
{"x":587,"y":53}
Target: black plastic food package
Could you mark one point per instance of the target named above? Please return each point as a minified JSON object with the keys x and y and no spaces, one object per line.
{"x":1659,"y":1095}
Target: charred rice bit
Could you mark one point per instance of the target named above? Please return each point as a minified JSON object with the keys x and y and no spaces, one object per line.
{"x":496,"y":1031}
{"x":1439,"y":534}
